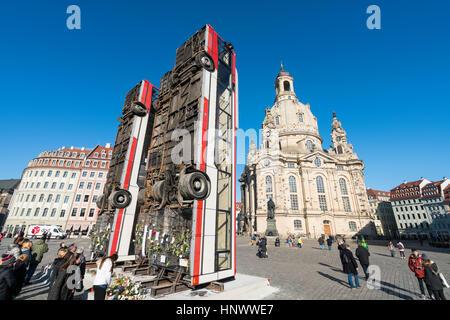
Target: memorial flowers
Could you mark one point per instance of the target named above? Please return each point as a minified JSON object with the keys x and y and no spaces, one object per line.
{"x":124,"y":288}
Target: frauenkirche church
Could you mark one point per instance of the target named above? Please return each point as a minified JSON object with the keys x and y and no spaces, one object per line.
{"x":315,"y":191}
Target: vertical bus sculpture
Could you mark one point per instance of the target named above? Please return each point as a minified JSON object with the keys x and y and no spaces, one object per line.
{"x":190,"y":212}
{"x":182,"y":214}
{"x":125,"y":185}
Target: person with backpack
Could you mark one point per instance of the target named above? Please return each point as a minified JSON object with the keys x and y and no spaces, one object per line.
{"x":350,"y":267}
{"x":415,"y":263}
{"x":363,"y":256}
{"x":37,"y":253}
{"x":329,"y":243}
{"x":262,"y":248}
{"x":401,"y":249}
{"x":103,"y":277}
{"x":433,"y":278}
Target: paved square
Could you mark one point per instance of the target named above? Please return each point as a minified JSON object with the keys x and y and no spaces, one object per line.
{"x":314,"y":274}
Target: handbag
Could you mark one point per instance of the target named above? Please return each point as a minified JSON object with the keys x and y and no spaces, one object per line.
{"x":444,"y":282}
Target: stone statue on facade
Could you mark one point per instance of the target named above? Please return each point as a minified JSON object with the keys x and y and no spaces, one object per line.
{"x":271,"y":230}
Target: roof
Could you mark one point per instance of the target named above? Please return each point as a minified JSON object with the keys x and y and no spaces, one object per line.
{"x":9,"y":184}
{"x":377,"y":193}
{"x":283,"y":72}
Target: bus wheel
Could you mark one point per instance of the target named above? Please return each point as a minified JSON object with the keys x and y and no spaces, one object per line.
{"x":195,"y":185}
{"x":204,"y":60}
{"x":158,"y":190}
{"x":139,"y":109}
{"x":121,"y":198}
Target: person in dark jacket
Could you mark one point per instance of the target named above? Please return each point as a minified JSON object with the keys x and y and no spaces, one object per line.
{"x":329,"y":243}
{"x":262,"y":248}
{"x":7,"y":278}
{"x":37,"y":253}
{"x":350,"y":266}
{"x":20,"y":271}
{"x":57,"y":263}
{"x":26,"y":249}
{"x":363,"y":256}
{"x":432,"y":279}
{"x":59,"y":289}
{"x":341,"y":249}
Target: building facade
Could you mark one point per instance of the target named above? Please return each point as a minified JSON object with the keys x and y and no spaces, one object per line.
{"x":47,"y":189}
{"x":315,"y":191}
{"x":381,"y":209}
{"x":7,"y":188}
{"x":435,"y":199}
{"x":84,"y":211}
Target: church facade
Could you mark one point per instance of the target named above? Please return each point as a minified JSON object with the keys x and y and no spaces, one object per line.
{"x":315,"y":191}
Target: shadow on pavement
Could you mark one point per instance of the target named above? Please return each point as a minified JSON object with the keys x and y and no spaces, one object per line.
{"x":331,"y":267}
{"x":344,"y":283}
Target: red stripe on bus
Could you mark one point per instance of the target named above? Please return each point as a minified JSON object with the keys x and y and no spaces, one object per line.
{"x":199,"y":220}
{"x":125,"y":186}
{"x":215,"y":53}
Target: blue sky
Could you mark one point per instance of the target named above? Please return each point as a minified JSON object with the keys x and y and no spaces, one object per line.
{"x":389,"y":87}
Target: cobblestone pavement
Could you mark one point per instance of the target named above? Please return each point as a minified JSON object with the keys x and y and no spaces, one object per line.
{"x":313,"y":274}
{"x":306,"y":273}
{"x":38,"y":288}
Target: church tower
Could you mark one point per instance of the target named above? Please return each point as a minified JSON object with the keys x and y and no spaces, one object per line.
{"x":339,"y":138}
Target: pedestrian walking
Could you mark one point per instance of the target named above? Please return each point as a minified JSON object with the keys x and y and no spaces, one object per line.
{"x":350,"y":266}
{"x":59,"y":289}
{"x":391,"y":248}
{"x":329,"y":243}
{"x":321,"y":243}
{"x":433,"y":278}
{"x":300,"y":242}
{"x":262,"y":248}
{"x":253,"y":240}
{"x":401,"y":250}
{"x":37,"y":253}
{"x":103,"y":277}
{"x":415,"y":263}
{"x":363,"y":256}
{"x":7,"y":278}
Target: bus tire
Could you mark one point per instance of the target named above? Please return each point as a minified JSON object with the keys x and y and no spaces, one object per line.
{"x":121,"y":198}
{"x":139,"y":109}
{"x":157,"y":190}
{"x":195,"y":185}
{"x":204,"y":60}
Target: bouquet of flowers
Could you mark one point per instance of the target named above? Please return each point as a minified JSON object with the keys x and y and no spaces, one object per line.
{"x":124,"y":288}
{"x":99,"y":240}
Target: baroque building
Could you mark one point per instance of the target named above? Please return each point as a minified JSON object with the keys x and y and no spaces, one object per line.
{"x":316,"y":191}
{"x":381,"y":209}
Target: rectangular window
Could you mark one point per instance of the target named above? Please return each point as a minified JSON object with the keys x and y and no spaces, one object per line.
{"x":36,"y":212}
{"x":63,"y":212}
{"x":57,"y":198}
{"x":70,"y":187}
{"x":94,"y":198}
{"x":61,"y":186}
{"x":65,"y":174}
{"x":97,"y":186}
{"x":28,"y":212}
{"x":66,"y":199}
{"x":22,"y":212}
{"x":103,"y":164}
{"x":86,"y":198}
{"x":322,"y":202}
{"x":84,"y":174}
{"x":53,"y":185}
{"x":78,"y":198}
{"x":49,"y":198}
{"x":74,"y":212}
{"x":89,"y":185}
{"x":81,"y":185}
{"x":57,"y":174}
{"x":44,"y":214}
{"x":294,"y":202}
{"x":92,"y":174}
{"x":83,"y":212}
{"x":347,"y":207}
{"x":49,"y":174}
{"x":74,"y":175}
{"x":45,"y":185}
{"x":91,"y":212}
{"x":33,"y":198}
{"x":100,"y":174}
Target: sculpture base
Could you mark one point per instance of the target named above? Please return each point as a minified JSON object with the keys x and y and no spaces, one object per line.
{"x":271,"y":230}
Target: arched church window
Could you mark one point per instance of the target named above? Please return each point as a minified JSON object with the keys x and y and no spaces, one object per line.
{"x":339,"y":150}
{"x":292,"y":184}
{"x":320,"y":185}
{"x":300,"y":117}
{"x":343,"y":186}
{"x":309,"y":145}
{"x":287,"y":86}
{"x":277,"y":120}
{"x":268,"y":184}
